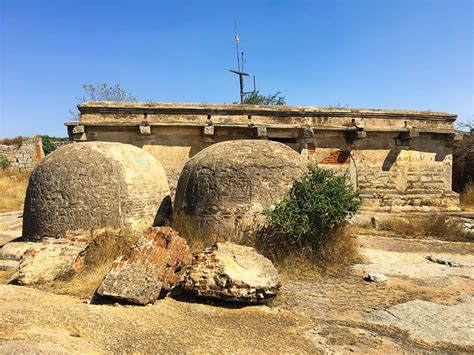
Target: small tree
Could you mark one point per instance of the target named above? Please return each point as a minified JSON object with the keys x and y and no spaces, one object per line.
{"x":317,"y":203}
{"x":256,"y":98}
{"x":102,"y":92}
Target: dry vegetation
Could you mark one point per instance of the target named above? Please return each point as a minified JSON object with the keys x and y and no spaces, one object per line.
{"x":17,"y":141}
{"x":6,"y":275}
{"x":337,"y":253}
{"x":13,"y":184}
{"x":339,"y":250}
{"x":438,"y":227}
{"x":467,"y":198}
{"x":194,"y":234}
{"x":106,"y":246}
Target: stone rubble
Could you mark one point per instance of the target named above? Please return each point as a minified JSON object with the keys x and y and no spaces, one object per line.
{"x":51,"y":259}
{"x":149,"y":270}
{"x":231,"y":272}
{"x":442,"y":261}
{"x":376,"y":277}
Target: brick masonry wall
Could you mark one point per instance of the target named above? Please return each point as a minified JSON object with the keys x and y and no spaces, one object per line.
{"x":149,"y":269}
{"x":25,"y":157}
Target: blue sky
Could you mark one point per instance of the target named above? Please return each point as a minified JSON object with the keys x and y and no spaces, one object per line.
{"x":404,"y":54}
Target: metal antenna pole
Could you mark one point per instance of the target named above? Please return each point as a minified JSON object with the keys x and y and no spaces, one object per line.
{"x":240,"y":72}
{"x":237,"y":46}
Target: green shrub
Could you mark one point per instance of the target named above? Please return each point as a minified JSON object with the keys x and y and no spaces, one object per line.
{"x":318,"y":203}
{"x":48,"y":145}
{"x":4,"y":163}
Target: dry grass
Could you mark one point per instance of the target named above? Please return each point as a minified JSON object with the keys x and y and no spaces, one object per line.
{"x":467,"y":198}
{"x":105,"y":247}
{"x":6,"y":275}
{"x":13,"y":186}
{"x":194,"y":234}
{"x":438,"y":227}
{"x":338,"y":251}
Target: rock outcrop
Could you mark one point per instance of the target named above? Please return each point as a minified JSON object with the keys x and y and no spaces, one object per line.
{"x":94,"y":185}
{"x":149,"y":269}
{"x":226,"y":186}
{"x":231,"y":272}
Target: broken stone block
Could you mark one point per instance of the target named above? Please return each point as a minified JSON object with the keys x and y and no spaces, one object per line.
{"x":51,"y":259}
{"x":231,"y":272}
{"x":149,"y":269}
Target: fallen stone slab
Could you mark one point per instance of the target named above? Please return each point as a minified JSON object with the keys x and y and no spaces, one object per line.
{"x":149,"y":269}
{"x":442,"y":261}
{"x":51,"y":259}
{"x":14,"y":250}
{"x":231,"y":272}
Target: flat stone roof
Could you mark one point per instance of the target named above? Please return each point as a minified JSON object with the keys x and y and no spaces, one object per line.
{"x":257,"y":110}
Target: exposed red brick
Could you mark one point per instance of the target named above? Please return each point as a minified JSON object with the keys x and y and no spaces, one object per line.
{"x":336,"y":157}
{"x":159,"y":253}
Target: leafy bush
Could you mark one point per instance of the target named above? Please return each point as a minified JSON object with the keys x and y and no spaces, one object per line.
{"x":4,"y":163}
{"x":317,"y":204}
{"x":255,"y":98}
{"x":48,"y":145}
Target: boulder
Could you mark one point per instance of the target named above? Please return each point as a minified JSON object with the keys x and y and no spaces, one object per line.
{"x":231,"y":272}
{"x":51,"y":259}
{"x":95,"y":185}
{"x":149,"y":269}
{"x":373,"y":277}
{"x":225,"y":187}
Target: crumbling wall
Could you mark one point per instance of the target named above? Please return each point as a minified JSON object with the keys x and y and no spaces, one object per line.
{"x":398,"y":160}
{"x":24,"y":157}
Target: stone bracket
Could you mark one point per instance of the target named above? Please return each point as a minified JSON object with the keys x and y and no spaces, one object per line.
{"x":78,"y":133}
{"x":358,"y":133}
{"x":261,"y":132}
{"x":145,"y":129}
{"x":208,"y":130}
{"x":308,"y":132}
{"x":78,"y":130}
{"x":404,"y":138}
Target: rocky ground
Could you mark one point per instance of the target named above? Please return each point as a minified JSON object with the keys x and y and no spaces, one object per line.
{"x":424,"y":306}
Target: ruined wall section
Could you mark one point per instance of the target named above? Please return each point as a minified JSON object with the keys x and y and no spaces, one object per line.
{"x":398,"y":160}
{"x":26,"y":156}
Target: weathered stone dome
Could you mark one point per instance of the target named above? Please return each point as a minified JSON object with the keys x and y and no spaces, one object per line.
{"x":226,"y":186}
{"x":94,"y":185}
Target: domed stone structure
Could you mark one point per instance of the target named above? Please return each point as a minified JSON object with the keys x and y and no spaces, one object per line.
{"x":226,"y":186}
{"x":94,"y":185}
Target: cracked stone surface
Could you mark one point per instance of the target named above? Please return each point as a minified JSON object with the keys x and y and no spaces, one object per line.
{"x":431,"y":322}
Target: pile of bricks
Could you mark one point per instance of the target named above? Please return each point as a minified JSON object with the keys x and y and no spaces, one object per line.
{"x":148,"y":271}
{"x":231,"y":272}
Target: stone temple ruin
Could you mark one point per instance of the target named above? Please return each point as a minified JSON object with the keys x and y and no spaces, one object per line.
{"x":400,"y":161}
{"x":223,"y":165}
{"x":226,"y":192}
{"x":94,"y":185}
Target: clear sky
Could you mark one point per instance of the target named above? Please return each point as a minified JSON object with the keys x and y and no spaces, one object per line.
{"x":404,"y":54}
